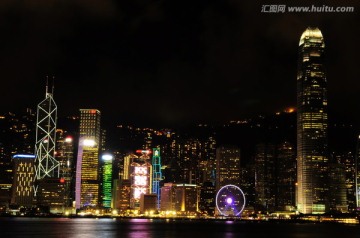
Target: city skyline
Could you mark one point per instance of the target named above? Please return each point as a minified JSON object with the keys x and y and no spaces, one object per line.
{"x":210,"y":82}
{"x":170,"y":63}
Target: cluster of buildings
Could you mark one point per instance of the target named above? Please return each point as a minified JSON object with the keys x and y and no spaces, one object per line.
{"x":50,"y":170}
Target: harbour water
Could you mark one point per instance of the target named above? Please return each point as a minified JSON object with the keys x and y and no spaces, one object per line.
{"x":22,"y":227}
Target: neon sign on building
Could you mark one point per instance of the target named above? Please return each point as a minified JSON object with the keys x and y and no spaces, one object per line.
{"x":140,"y":182}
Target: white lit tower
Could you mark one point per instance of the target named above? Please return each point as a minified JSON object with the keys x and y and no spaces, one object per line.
{"x":46,"y":166}
{"x":140,"y":177}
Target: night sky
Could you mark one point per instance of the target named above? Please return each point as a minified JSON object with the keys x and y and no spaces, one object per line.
{"x":170,"y":62}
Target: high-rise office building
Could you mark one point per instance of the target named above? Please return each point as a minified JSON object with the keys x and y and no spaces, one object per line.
{"x":227,"y":166}
{"x":275,"y":176}
{"x":87,"y":165}
{"x":51,"y":193}
{"x":337,"y":186}
{"x":124,"y":195}
{"x":265,"y":176}
{"x":347,"y":159}
{"x":65,"y":156}
{"x":286,"y":176}
{"x":357,"y":174}
{"x":6,"y":175}
{"x":189,"y":159}
{"x":123,"y":189}
{"x":312,"y":125}
{"x":182,"y":198}
{"x":207,"y":199}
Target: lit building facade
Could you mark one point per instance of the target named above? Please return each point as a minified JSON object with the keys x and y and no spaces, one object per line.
{"x":140,"y":178}
{"x":6,"y":177}
{"x":124,"y":195}
{"x":51,"y":193}
{"x":65,"y":156}
{"x":125,"y":173}
{"x":227,"y":166}
{"x":87,"y":165}
{"x":167,"y":198}
{"x":156,"y":175}
{"x":180,"y":198}
{"x":24,"y":173}
{"x":107,"y":180}
{"x":189,"y":160}
{"x":357,"y":174}
{"x":312,"y":125}
{"x":123,"y":189}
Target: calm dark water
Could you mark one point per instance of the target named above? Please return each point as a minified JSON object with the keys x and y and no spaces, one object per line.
{"x":143,"y":228}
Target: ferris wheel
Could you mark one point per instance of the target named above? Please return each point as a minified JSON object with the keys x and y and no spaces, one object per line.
{"x":230,"y":200}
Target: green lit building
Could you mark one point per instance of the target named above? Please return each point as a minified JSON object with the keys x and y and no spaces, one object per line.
{"x":107,"y":181}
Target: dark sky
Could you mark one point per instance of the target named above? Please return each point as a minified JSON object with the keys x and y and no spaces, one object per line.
{"x":170,"y":62}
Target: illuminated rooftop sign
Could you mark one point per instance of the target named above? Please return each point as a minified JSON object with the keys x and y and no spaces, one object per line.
{"x":24,"y":156}
{"x":143,"y":152}
{"x":107,"y":157}
{"x":88,"y":142}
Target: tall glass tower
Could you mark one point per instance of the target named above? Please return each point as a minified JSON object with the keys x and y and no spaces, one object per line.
{"x":312,"y":124}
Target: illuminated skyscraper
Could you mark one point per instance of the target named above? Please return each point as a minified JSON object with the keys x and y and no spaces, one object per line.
{"x":312,"y":124}
{"x":65,"y":156}
{"x":87,"y":165}
{"x":107,"y":180}
{"x":46,"y":166}
{"x":357,"y":174}
{"x":124,"y":195}
{"x":123,"y":189}
{"x":156,"y":174}
{"x":140,"y":178}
